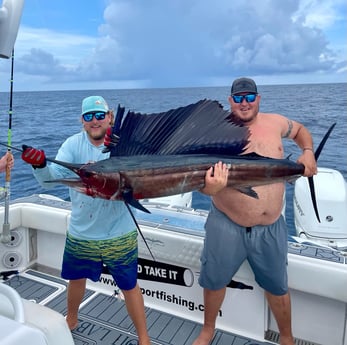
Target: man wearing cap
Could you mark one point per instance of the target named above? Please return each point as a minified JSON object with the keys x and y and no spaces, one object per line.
{"x":100,"y":231}
{"x":241,"y":228}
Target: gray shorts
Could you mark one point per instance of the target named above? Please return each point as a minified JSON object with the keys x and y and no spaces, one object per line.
{"x":228,"y":244}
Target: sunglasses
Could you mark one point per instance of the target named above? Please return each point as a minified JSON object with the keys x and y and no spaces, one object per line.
{"x":249,"y":98}
{"x":100,"y":115}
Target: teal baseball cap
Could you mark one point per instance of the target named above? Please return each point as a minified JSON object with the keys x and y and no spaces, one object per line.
{"x":94,"y":103}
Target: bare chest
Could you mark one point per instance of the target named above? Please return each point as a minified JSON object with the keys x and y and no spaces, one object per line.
{"x":266,"y":142}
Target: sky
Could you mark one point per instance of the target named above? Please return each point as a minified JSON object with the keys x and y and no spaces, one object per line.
{"x":125,"y":44}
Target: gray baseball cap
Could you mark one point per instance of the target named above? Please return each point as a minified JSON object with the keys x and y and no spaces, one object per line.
{"x":243,"y":85}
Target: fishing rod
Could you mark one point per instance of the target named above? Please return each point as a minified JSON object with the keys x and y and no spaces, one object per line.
{"x":6,"y":233}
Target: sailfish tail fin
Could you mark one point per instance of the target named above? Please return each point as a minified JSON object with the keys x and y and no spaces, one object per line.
{"x":322,"y":143}
{"x":310,"y":179}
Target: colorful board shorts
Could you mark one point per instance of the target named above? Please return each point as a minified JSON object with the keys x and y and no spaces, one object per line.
{"x":228,"y":244}
{"x":85,"y":259}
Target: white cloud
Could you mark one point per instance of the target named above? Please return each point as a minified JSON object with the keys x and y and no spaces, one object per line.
{"x":64,"y":46}
{"x":190,"y":43}
{"x":320,"y":14}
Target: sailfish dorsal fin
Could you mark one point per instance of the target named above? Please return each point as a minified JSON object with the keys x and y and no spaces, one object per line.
{"x":202,"y":127}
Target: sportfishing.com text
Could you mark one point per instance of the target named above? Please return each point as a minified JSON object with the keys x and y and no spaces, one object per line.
{"x":163,"y":296}
{"x":172,"y":298}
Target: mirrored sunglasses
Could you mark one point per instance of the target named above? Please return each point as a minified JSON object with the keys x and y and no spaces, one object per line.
{"x":249,"y":98}
{"x":100,"y":115}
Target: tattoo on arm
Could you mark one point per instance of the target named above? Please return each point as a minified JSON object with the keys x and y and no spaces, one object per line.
{"x":290,"y":127}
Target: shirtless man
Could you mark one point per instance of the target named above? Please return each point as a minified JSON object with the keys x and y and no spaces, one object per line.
{"x":237,"y":223}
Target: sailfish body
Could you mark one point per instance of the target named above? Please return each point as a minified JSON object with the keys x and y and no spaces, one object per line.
{"x":169,"y":153}
{"x":142,"y":177}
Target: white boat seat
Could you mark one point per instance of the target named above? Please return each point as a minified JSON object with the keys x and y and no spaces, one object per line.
{"x":26,"y":322}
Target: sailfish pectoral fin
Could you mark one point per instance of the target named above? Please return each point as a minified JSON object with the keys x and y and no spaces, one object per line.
{"x":310,"y":179}
{"x":129,"y":199}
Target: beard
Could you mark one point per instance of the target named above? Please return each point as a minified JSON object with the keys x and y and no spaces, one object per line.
{"x":252,"y":113}
{"x":249,"y":119}
{"x":97,"y":135}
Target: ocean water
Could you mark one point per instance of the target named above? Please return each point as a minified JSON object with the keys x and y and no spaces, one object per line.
{"x":45,"y":119}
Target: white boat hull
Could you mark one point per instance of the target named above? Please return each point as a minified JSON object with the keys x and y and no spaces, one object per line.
{"x":317,"y":276}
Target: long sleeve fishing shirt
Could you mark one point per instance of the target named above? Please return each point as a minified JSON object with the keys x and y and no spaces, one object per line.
{"x":91,"y":218}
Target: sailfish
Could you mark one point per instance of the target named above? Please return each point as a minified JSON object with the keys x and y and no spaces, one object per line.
{"x":168,"y":153}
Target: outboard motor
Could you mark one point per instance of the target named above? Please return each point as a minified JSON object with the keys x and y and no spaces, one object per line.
{"x":331,"y":194}
{"x":10,"y":15}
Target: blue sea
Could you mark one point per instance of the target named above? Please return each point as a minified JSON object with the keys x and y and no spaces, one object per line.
{"x":45,"y":119}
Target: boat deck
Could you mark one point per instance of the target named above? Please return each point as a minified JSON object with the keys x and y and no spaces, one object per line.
{"x":103,"y":319}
